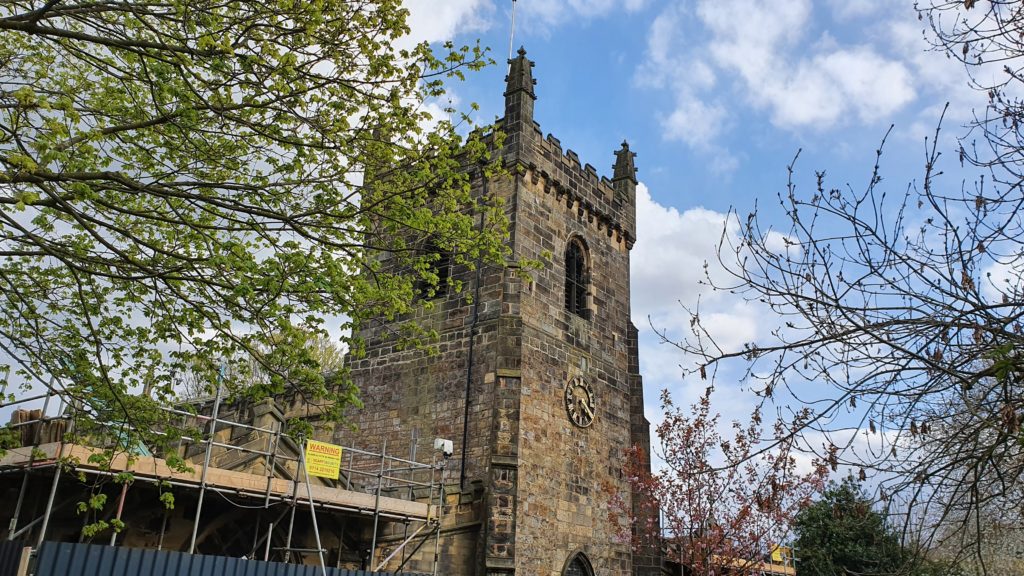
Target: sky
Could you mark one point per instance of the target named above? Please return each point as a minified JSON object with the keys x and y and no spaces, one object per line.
{"x":716,"y":97}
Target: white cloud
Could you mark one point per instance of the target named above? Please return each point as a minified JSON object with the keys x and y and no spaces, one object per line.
{"x":664,"y":65}
{"x":674,"y":252}
{"x":782,"y":244}
{"x":434,"y":21}
{"x":779,"y":57}
{"x":768,"y":50}
{"x":437,"y":21}
{"x":670,"y":264}
{"x":847,"y":9}
{"x":754,"y":28}
{"x":943,"y":76}
{"x":695,"y":122}
{"x":668,"y":258}
{"x":824,"y":90}
{"x":438,"y":112}
{"x":1003,"y":279}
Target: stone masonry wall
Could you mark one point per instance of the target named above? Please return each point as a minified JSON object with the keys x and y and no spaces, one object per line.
{"x":540,"y":486}
{"x":567,"y":473}
{"x":411,"y":397}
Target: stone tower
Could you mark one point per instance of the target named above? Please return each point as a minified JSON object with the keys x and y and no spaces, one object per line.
{"x":536,"y":379}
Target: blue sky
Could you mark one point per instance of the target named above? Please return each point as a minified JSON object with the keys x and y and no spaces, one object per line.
{"x":716,"y":97}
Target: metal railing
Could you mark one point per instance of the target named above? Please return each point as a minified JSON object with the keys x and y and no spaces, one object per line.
{"x":364,"y":471}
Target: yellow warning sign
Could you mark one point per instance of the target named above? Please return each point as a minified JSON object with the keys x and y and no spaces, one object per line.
{"x":781,"y":554}
{"x":322,"y":459}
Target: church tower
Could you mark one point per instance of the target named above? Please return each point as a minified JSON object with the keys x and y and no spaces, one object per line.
{"x":536,"y":378}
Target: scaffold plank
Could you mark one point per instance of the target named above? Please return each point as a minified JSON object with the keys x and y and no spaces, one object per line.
{"x":243,"y":482}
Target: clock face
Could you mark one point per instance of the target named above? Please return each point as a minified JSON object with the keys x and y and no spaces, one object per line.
{"x":579,"y":402}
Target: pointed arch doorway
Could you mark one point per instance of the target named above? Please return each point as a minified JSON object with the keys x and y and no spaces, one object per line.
{"x":578,"y":565}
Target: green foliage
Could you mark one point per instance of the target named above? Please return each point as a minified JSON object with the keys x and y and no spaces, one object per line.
{"x":94,"y":528}
{"x":95,"y":502}
{"x":177,"y":463}
{"x":842,"y":534}
{"x":299,"y":428}
{"x":167,"y":499}
{"x":189,"y":182}
{"x":9,"y":438}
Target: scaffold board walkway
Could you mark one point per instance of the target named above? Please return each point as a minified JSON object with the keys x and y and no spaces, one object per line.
{"x":242,"y":483}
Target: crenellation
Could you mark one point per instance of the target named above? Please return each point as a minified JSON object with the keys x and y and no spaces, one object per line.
{"x":592,"y":196}
{"x":593,"y":205}
{"x":573,"y":158}
{"x":555,"y":142}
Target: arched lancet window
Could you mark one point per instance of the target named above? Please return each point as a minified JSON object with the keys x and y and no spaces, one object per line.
{"x":577,"y":278}
{"x":578,"y":565}
{"x":439,"y":264}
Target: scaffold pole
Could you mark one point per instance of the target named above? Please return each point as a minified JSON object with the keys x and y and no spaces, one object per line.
{"x":13,"y":527}
{"x":312,"y":505}
{"x":376,"y":503}
{"x":206,"y":461}
{"x":49,"y":505}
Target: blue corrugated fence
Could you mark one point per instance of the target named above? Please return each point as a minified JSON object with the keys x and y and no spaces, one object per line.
{"x":10,"y":556}
{"x":71,"y":559}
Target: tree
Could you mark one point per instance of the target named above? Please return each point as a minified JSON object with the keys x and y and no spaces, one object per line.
{"x":986,"y":541}
{"x":189,"y":181}
{"x":195,"y":383}
{"x":840,"y":533}
{"x":722,"y":508}
{"x":900,"y":313}
{"x":984,"y":37}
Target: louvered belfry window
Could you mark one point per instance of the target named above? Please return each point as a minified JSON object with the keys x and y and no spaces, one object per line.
{"x":440,"y":263}
{"x":576,"y":279}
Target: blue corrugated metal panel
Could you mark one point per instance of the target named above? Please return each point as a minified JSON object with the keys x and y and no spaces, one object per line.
{"x":71,"y":559}
{"x":10,"y":556}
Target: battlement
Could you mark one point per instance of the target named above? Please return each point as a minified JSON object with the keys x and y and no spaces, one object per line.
{"x":588,"y":202}
{"x":551,"y":148}
{"x":607,"y":203}
{"x":560,"y":172}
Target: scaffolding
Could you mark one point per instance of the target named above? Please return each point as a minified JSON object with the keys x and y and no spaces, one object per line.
{"x":371,"y":484}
